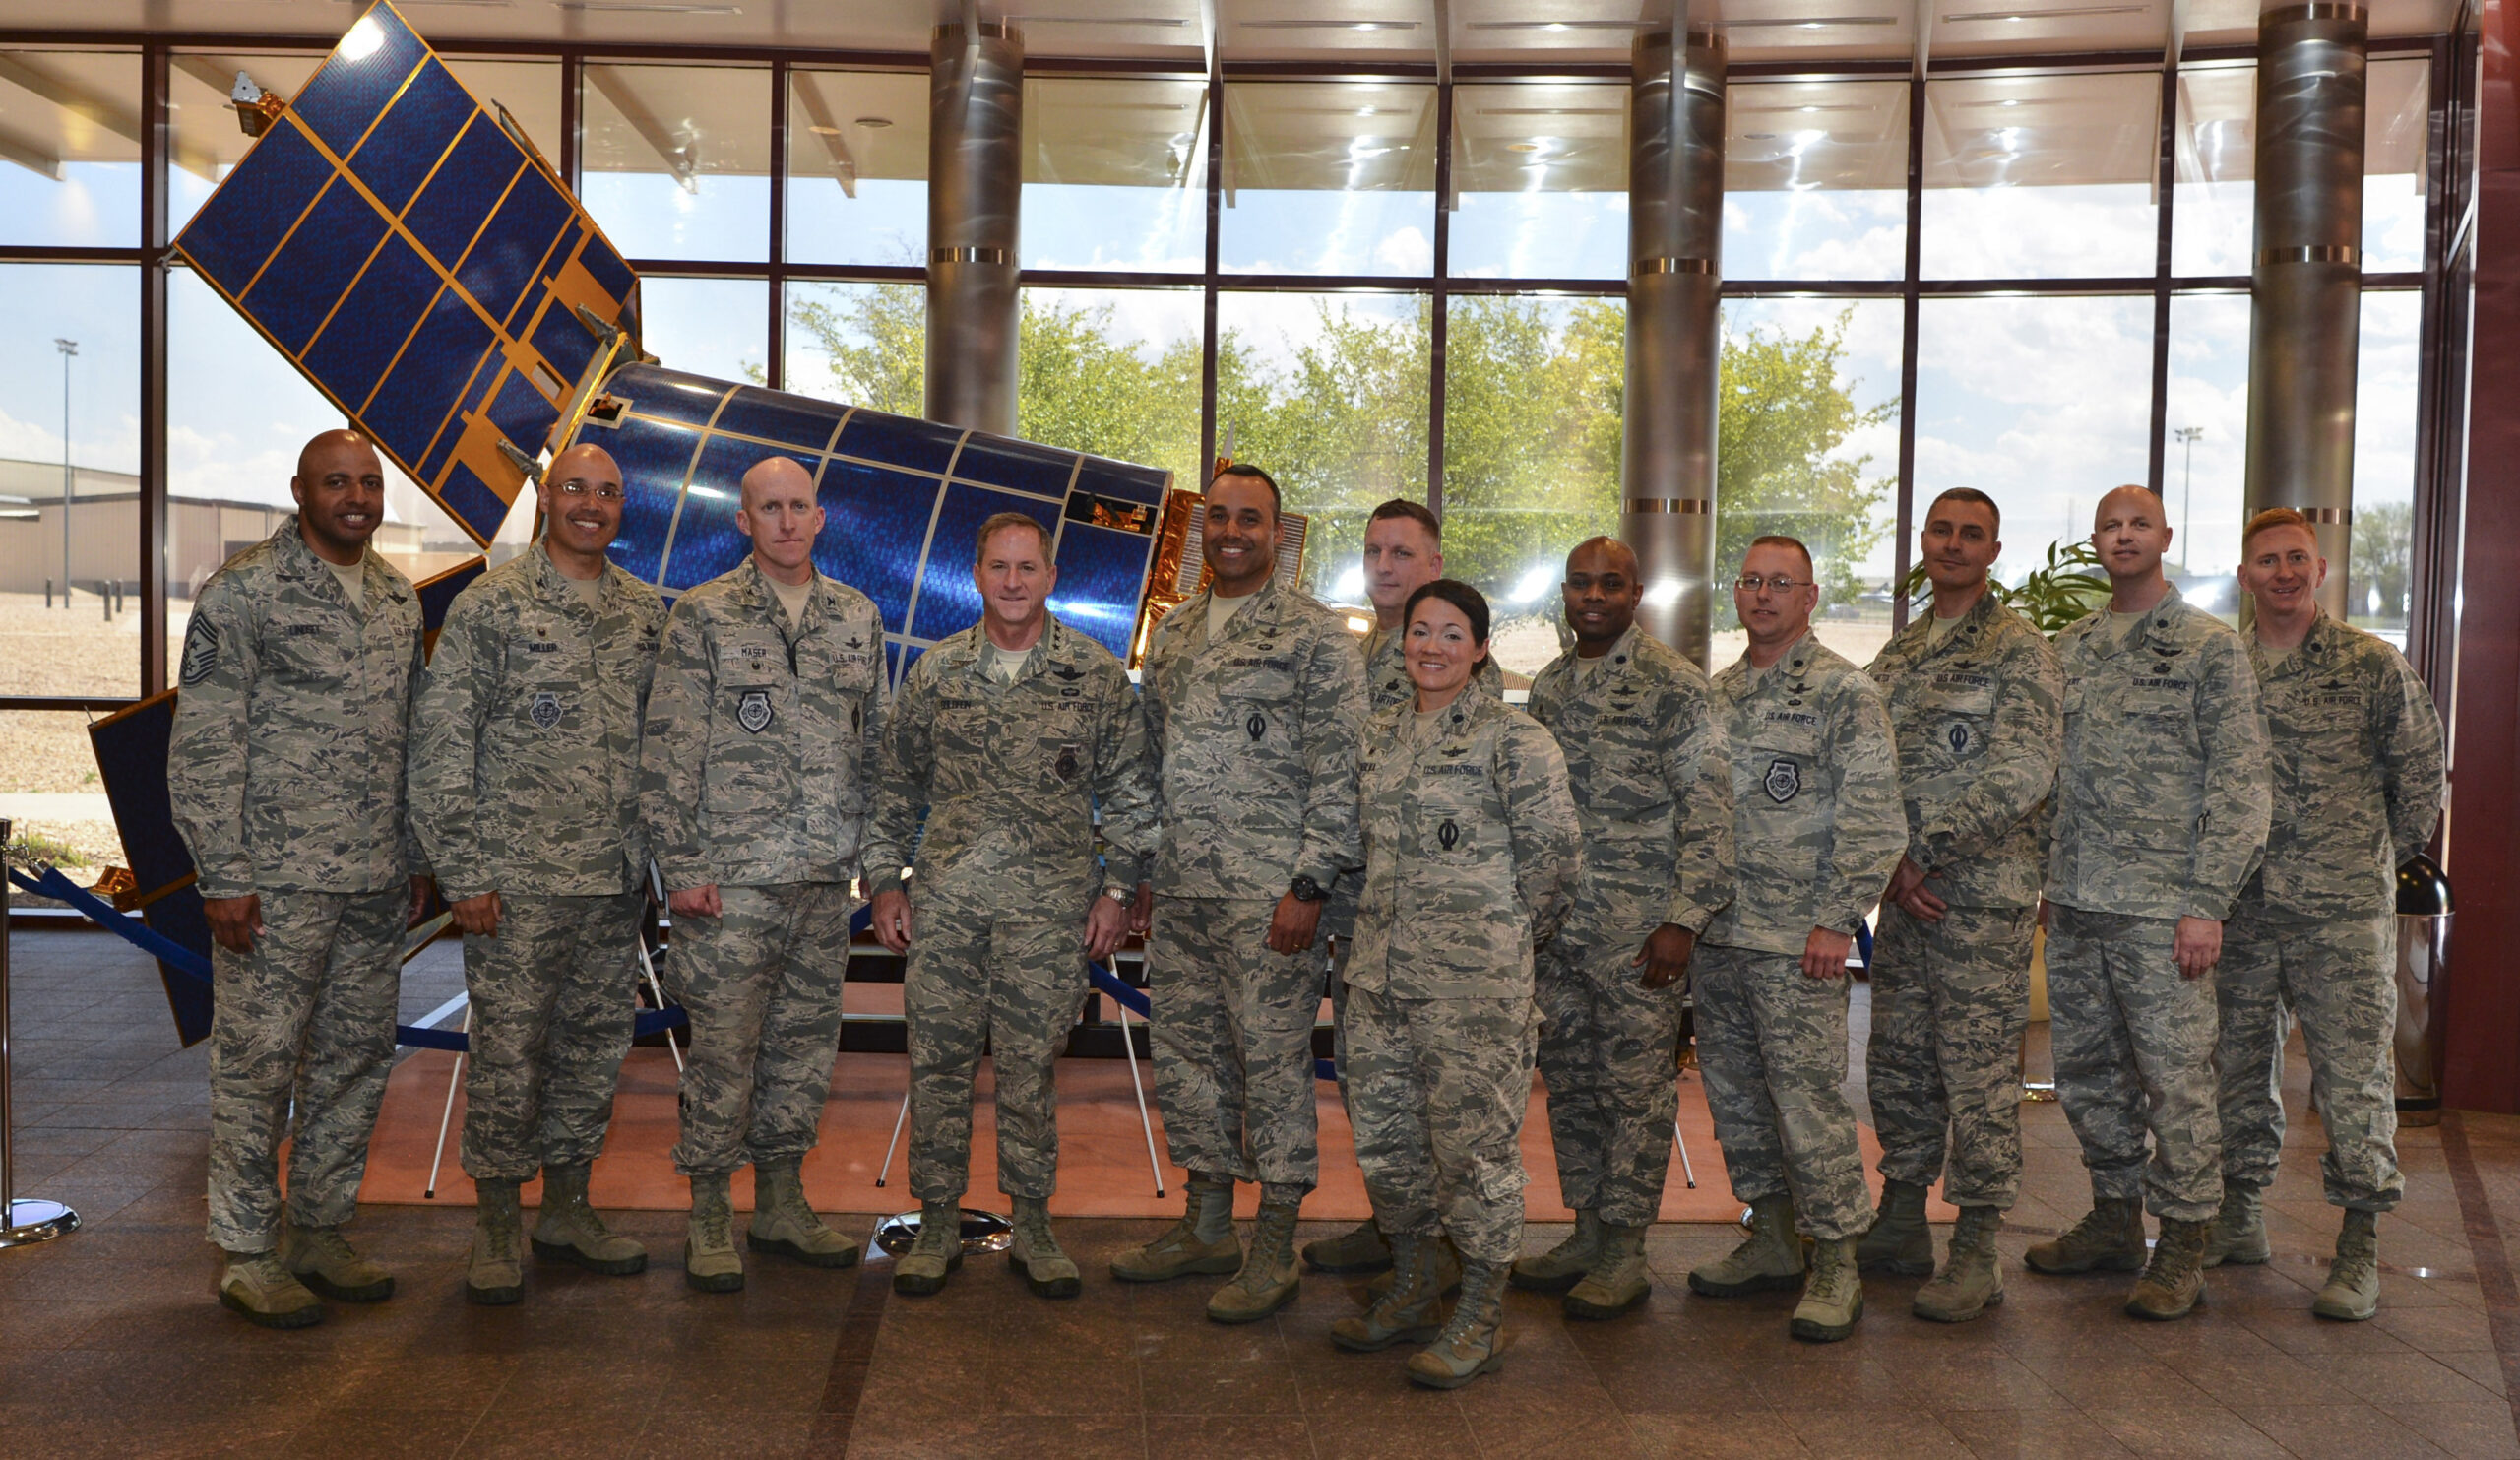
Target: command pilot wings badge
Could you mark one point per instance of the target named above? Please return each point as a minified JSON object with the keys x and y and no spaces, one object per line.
{"x":1783,"y":779}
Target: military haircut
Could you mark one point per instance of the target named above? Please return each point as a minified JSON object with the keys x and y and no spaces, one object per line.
{"x":2273,"y":518}
{"x":1400,"y":507}
{"x":1472,"y":603}
{"x":1001,"y":521}
{"x":1779,"y":539}
{"x":1966,"y":495}
{"x":1276,"y":499}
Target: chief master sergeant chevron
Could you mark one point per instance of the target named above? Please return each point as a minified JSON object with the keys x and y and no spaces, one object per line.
{"x":754,"y":784}
{"x":285,"y":771}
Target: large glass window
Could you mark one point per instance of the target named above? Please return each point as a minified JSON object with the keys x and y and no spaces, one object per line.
{"x":865,"y":343}
{"x":1815,"y":180}
{"x":50,"y":792}
{"x":2379,"y":578}
{"x":718,"y":327}
{"x":676,"y":159}
{"x":2214,"y":223}
{"x":1540,"y":178}
{"x":207,"y":141}
{"x":2041,"y":176}
{"x":1329,"y":177}
{"x":2205,"y":459}
{"x":1114,"y":372}
{"x":857,"y":167}
{"x":70,"y":148}
{"x":1115,"y":174}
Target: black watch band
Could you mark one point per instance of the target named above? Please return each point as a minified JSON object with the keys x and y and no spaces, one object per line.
{"x":1306,"y":890}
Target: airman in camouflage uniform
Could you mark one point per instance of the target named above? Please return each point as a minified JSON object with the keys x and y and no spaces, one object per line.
{"x":1977,"y":702}
{"x":2161,"y":812}
{"x":1817,"y":828}
{"x":1254,"y":702}
{"x":754,"y":784}
{"x":284,"y":769}
{"x":525,"y":790}
{"x":1403,"y":551}
{"x":1007,"y":751}
{"x":1472,"y":851}
{"x":2355,"y":747}
{"x":1654,"y":785}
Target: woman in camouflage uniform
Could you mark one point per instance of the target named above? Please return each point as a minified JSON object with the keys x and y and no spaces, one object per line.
{"x":1471,"y":855}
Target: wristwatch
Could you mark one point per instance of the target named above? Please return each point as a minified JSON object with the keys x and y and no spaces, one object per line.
{"x":1124,"y":896}
{"x":1306,"y":890}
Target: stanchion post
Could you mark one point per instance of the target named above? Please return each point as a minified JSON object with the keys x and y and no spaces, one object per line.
{"x":21,"y":1223}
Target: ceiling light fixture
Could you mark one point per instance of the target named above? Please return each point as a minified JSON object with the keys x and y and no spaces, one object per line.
{"x":874,"y":123}
{"x":1328,"y":25}
{"x":2063,"y":13}
{"x":1561,"y":26}
{"x":645,"y":6}
{"x":1809,"y":23}
{"x":1164,"y":21}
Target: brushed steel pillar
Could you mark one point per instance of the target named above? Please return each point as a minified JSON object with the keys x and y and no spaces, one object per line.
{"x":975,"y":191}
{"x":2307,"y":274}
{"x":1674,"y":329}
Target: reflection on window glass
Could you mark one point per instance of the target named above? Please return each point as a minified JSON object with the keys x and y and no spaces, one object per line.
{"x":90,"y":643}
{"x":2204,"y":465}
{"x":1328,"y":394}
{"x":1815,"y":180}
{"x":1114,"y":372}
{"x":55,"y":801}
{"x":676,"y":159}
{"x":238,"y":412}
{"x":1115,"y":173}
{"x":2213,"y":225}
{"x":2041,"y":176}
{"x":864,"y":343}
{"x":714,"y":327}
{"x":1808,"y":408}
{"x":70,"y":149}
{"x":530,"y":90}
{"x":2040,"y":403}
{"x":208,"y":140}
{"x":1541,"y":175}
{"x":1531,"y":457}
{"x":2379,"y":578}
{"x":1329,"y":177}
{"x":858,"y":166}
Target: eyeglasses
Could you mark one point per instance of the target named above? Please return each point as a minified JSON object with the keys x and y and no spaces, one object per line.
{"x":604,"y":493}
{"x":1752,"y":583}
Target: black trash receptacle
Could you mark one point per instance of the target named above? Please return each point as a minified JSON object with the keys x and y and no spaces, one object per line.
{"x":2423,"y":959}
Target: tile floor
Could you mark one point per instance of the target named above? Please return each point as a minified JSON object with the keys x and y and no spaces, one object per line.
{"x":109,"y":1343}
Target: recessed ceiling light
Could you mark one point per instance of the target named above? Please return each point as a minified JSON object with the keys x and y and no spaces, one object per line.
{"x":876,"y":123}
{"x":646,"y":7}
{"x":2062,"y":13}
{"x":1562,"y":25}
{"x":1165,"y":21}
{"x":1328,"y":25}
{"x":1808,"y":22}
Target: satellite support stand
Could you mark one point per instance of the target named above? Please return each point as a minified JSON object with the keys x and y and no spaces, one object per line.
{"x":1687,"y":1171}
{"x":446,"y":1117}
{"x":1128,"y":1047}
{"x":24,"y":1221}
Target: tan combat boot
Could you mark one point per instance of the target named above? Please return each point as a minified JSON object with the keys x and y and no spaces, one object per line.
{"x":1412,"y":1311}
{"x":938,"y":1253}
{"x":1202,"y":1242}
{"x":1832,"y":1297}
{"x":709,"y":1261}
{"x":1034,"y":1253}
{"x":323,"y":1261}
{"x":1474,"y":1342}
{"x":496,"y":1276}
{"x":570,"y":1230}
{"x":1269,"y":1279}
{"x":1971,"y":1281}
{"x":1563,"y":1267}
{"x":783,"y":1223}
{"x":2108,"y":1239}
{"x":260,"y":1287}
{"x":2172,"y":1284}
{"x":1898,"y":1240}
{"x":1617,"y":1282}
{"x":1446,"y":1263}
{"x":2352,"y":1292}
{"x":1362,"y":1250}
{"x":1770,"y":1259}
{"x":2238,"y":1232}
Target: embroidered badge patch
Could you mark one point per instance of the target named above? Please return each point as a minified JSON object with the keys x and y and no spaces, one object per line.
{"x":200,"y":651}
{"x":752,"y":712}
{"x":1066,"y":765}
{"x":546,"y":710}
{"x":1447,"y":834}
{"x":1959,"y":738}
{"x":1257,"y":725}
{"x":1783,"y":779}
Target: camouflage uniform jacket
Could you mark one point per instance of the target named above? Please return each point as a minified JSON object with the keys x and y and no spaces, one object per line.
{"x":762,"y":737}
{"x":2356,"y":749}
{"x":524,"y":748}
{"x":285,"y":762}
{"x":1387,"y":681}
{"x":1009,"y":774}
{"x":1254,"y":738}
{"x":1816,"y":824}
{"x":1980,"y":719}
{"x":1652,"y":781}
{"x":1471,"y":852}
{"x":2162,"y":802}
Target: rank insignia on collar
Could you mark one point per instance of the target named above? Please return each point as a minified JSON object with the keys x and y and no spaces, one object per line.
{"x":1783,"y":780}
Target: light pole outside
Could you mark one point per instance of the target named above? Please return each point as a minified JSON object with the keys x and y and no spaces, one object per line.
{"x":2188,"y":437}
{"x":69,"y":350}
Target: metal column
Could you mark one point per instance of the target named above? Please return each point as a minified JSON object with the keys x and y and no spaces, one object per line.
{"x":2307,"y":274}
{"x":1674,"y":329}
{"x":975,"y":192}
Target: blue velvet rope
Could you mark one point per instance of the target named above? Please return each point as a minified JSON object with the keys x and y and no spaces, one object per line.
{"x":1134,"y":1000}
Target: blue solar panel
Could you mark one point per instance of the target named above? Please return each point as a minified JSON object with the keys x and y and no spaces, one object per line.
{"x":432,"y":108}
{"x":345,"y":97}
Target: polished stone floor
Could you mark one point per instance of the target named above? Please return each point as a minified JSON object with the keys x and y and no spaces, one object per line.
{"x":109,"y":1343}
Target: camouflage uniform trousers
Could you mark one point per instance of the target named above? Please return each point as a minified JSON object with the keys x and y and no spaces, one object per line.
{"x":1233,"y":1039}
{"x":2339,"y":980}
{"x":1771,"y":1046}
{"x":551,"y":1017}
{"x":1437,"y":1090}
{"x":1610,"y":1054}
{"x":308,"y":1015}
{"x":1015,"y":984}
{"x":1949,"y":1002}
{"x":762,"y":984}
{"x":2134,"y":1049}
